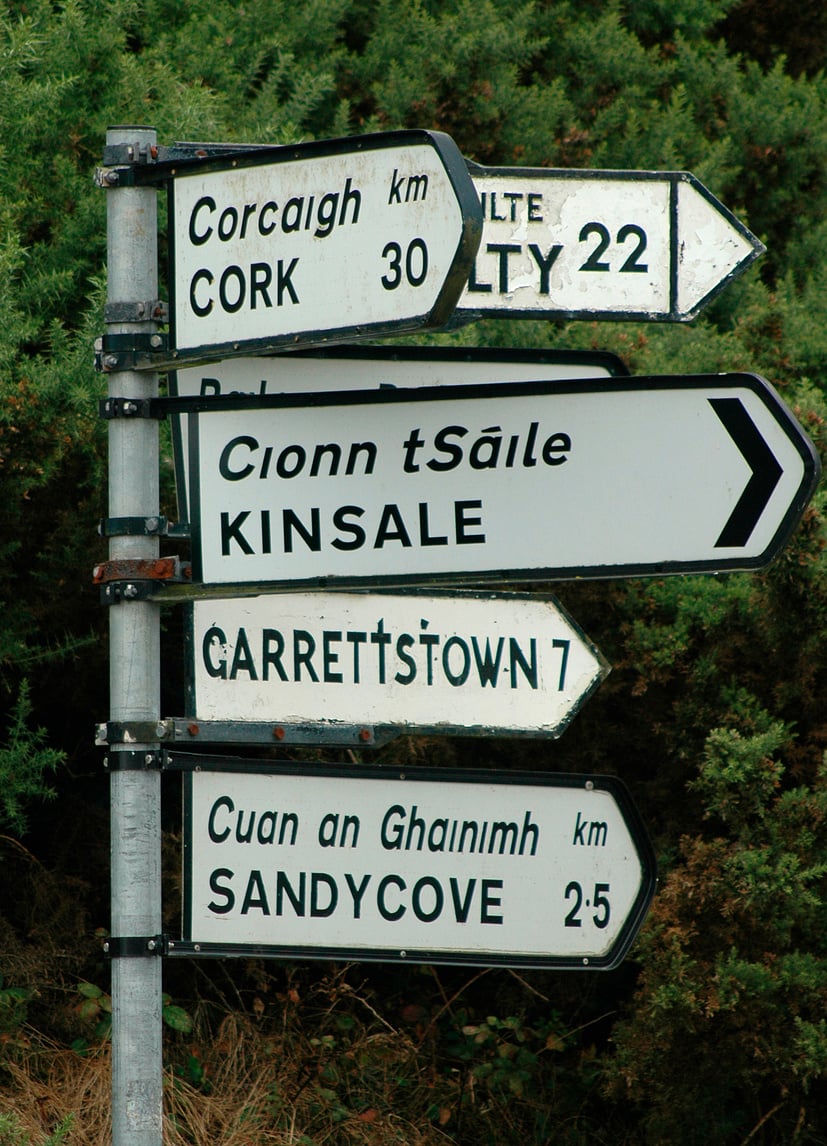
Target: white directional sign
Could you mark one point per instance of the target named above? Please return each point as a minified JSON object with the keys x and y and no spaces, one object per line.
{"x":279,"y":246}
{"x":366,"y":367}
{"x":516,"y":869}
{"x":504,"y":482}
{"x":464,"y":663}
{"x":638,"y":245}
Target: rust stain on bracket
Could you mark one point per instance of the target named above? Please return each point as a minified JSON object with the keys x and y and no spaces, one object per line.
{"x":131,"y":569}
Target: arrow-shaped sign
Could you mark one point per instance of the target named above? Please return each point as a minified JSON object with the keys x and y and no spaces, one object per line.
{"x":472,"y":664}
{"x":505,"y":482}
{"x":276,"y":247}
{"x":515,"y":869}
{"x":637,"y":245}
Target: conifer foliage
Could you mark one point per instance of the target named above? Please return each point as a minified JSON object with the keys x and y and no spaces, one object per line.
{"x":714,"y":1029}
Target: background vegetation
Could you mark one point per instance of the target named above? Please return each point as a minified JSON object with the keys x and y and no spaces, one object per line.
{"x":715,"y":1028}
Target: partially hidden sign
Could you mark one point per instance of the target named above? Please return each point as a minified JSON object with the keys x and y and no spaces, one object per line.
{"x":593,"y":244}
{"x":467,"y":663}
{"x":526,"y":481}
{"x":299,"y":245}
{"x":363,"y":367}
{"x":415,"y":865}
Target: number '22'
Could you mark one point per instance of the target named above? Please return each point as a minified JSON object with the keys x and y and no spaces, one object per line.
{"x":595,"y":262}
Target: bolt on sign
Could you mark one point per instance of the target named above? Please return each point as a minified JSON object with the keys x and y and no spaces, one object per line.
{"x":636,"y":245}
{"x":472,"y":664}
{"x":297,"y":245}
{"x":514,"y":869}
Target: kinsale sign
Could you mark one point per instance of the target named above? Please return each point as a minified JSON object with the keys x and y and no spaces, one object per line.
{"x":468,"y":867}
{"x":527,"y":481}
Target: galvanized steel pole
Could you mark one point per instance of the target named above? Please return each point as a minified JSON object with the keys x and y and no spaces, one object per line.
{"x":134,"y":680}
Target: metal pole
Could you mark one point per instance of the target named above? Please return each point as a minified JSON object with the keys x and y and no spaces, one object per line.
{"x":134,"y":681}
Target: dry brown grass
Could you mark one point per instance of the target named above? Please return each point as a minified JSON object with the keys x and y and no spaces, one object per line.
{"x":260,"y":1094}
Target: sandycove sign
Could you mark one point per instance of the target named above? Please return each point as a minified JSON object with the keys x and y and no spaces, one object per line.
{"x":468,"y":663}
{"x":295,"y":245}
{"x":530,"y":481}
{"x":516,"y":869}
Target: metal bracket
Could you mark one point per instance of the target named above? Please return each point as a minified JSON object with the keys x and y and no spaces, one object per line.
{"x":132,"y":579}
{"x":188,"y":731}
{"x":142,"y":527}
{"x":131,"y":408}
{"x":136,"y":351}
{"x":120,"y":159}
{"x":136,"y":569}
{"x":133,"y":732}
{"x":115,"y":154}
{"x":134,"y":760}
{"x":135,"y":946}
{"x":153,"y":311}
{"x":116,"y":592}
{"x":191,"y":731}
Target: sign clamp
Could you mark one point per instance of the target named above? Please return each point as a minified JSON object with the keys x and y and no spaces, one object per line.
{"x":118,"y":407}
{"x":137,"y":580}
{"x":142,"y":527}
{"x":154,"y":310}
{"x":136,"y":946}
{"x":134,"y":351}
{"x":134,"y":760}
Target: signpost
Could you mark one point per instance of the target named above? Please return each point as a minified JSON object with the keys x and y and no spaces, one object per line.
{"x":368,"y":367}
{"x":420,"y":468}
{"x":285,"y":246}
{"x":512,"y":482}
{"x":483,"y":664}
{"x":634,"y":245}
{"x":415,"y":865}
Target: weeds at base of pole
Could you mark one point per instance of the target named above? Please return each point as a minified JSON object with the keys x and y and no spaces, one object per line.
{"x":55,"y":1097}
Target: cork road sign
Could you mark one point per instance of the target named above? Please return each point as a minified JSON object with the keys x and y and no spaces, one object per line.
{"x":284,"y":246}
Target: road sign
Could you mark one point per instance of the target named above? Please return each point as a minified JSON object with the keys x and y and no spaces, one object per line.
{"x":366,"y":367}
{"x":642,"y":245}
{"x":297,"y":245}
{"x":505,"y":482}
{"x":473,"y":663}
{"x":415,"y":865}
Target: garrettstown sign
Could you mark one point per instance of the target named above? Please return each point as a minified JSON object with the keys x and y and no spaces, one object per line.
{"x":422,"y":865}
{"x":468,"y":663}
